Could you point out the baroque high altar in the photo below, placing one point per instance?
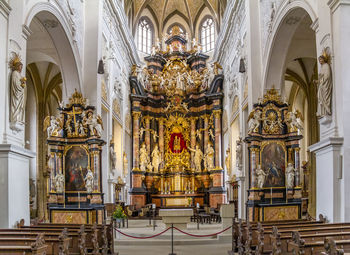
(176, 109)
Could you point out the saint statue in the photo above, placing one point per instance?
(290, 171)
(197, 158)
(113, 156)
(261, 175)
(89, 181)
(209, 157)
(144, 159)
(59, 183)
(324, 93)
(94, 123)
(18, 91)
(125, 164)
(228, 161)
(156, 159)
(254, 121)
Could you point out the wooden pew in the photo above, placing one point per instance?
(55, 242)
(38, 247)
(319, 243)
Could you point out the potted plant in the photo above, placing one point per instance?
(119, 214)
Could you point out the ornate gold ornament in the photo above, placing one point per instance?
(272, 95)
(77, 98)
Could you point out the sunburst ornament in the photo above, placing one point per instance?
(15, 61)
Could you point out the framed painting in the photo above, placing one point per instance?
(273, 162)
(76, 164)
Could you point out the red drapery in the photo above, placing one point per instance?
(172, 144)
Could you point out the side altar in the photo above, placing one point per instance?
(273, 139)
(176, 109)
(74, 161)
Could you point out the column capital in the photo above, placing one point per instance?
(334, 4)
(5, 8)
(217, 113)
(136, 115)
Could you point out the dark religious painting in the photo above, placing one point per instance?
(273, 163)
(76, 163)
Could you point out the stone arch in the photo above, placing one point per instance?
(61, 36)
(283, 30)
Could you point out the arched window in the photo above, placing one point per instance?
(207, 31)
(145, 36)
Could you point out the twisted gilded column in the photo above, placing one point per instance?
(161, 136)
(217, 118)
(147, 134)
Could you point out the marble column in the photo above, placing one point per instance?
(136, 139)
(217, 117)
(193, 132)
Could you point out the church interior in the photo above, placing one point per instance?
(174, 127)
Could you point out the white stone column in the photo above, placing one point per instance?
(254, 52)
(329, 175)
(14, 185)
(92, 52)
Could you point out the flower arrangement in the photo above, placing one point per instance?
(119, 213)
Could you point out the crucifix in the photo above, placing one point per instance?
(75, 120)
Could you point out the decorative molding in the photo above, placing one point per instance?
(315, 25)
(5, 8)
(26, 32)
(334, 4)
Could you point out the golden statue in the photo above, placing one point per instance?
(228, 161)
(177, 145)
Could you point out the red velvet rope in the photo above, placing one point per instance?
(183, 232)
(142, 237)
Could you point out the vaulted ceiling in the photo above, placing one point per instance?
(163, 10)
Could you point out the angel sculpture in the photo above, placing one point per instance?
(68, 126)
(154, 134)
(211, 134)
(94, 123)
(81, 129)
(294, 121)
(199, 134)
(52, 125)
(184, 106)
(254, 121)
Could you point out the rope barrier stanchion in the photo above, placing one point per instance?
(172, 240)
(141, 237)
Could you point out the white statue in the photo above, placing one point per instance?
(197, 158)
(68, 126)
(125, 164)
(144, 159)
(209, 157)
(113, 156)
(194, 42)
(156, 158)
(54, 125)
(94, 123)
(18, 91)
(254, 121)
(153, 51)
(228, 161)
(261, 175)
(158, 45)
(294, 121)
(324, 93)
(89, 181)
(59, 183)
(290, 172)
(81, 129)
(171, 49)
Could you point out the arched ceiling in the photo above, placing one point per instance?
(163, 10)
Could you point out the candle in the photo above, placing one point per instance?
(271, 194)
